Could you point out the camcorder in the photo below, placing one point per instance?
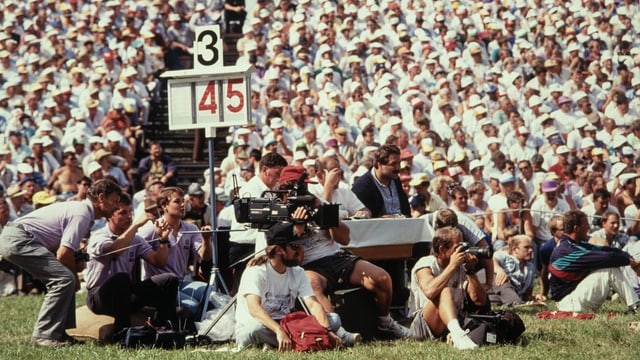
(263, 212)
(480, 252)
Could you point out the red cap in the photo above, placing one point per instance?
(291, 174)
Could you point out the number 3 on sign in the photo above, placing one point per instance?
(208, 47)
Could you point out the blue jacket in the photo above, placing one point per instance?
(571, 262)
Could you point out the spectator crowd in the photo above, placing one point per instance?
(510, 113)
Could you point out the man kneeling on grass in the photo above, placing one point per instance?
(268, 290)
(440, 284)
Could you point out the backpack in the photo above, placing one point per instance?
(502, 327)
(150, 337)
(305, 332)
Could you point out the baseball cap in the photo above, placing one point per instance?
(292, 173)
(475, 163)
(15, 190)
(626, 151)
(626, 177)
(418, 179)
(506, 178)
(549, 185)
(280, 234)
(562, 149)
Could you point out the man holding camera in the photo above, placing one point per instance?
(440, 284)
(329, 268)
(44, 243)
(268, 291)
(242, 243)
(114, 250)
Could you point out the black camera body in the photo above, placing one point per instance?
(263, 212)
(480, 252)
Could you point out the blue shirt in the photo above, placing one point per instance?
(390, 196)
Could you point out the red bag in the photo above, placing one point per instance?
(305, 332)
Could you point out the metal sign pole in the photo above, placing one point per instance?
(219, 97)
(215, 277)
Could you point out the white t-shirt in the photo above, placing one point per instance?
(456, 282)
(277, 292)
(348, 201)
(541, 213)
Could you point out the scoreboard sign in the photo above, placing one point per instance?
(210, 95)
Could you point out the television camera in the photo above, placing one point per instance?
(263, 212)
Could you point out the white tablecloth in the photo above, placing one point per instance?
(388, 231)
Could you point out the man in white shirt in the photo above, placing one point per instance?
(268, 291)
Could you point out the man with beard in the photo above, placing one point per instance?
(268, 291)
(380, 190)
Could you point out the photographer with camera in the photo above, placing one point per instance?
(44, 243)
(443, 285)
(113, 251)
(329, 268)
(471, 234)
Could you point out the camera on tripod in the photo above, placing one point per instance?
(480, 252)
(263, 212)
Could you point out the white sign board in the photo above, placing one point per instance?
(207, 48)
(196, 103)
(210, 95)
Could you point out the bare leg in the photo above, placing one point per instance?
(439, 312)
(376, 280)
(319, 284)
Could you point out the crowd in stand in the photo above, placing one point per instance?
(508, 112)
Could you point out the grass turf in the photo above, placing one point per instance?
(603, 337)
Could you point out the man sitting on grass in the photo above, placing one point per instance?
(268, 290)
(582, 273)
(440, 283)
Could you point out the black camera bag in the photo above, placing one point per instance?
(148, 337)
(502, 327)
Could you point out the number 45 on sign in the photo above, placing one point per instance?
(211, 95)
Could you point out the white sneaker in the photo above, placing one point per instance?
(394, 329)
(463, 343)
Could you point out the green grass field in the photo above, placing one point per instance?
(601, 338)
